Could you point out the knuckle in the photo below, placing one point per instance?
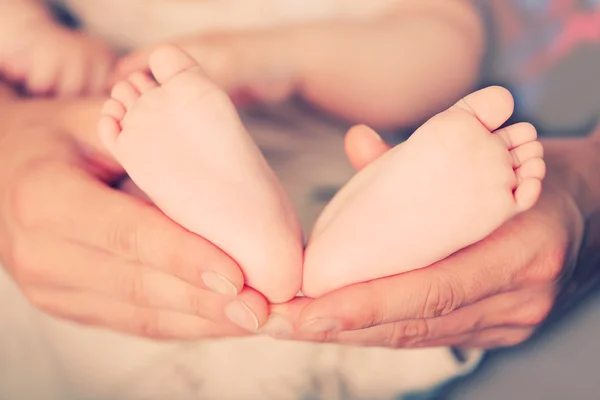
(409, 333)
(547, 266)
(548, 263)
(442, 297)
(503, 338)
(552, 264)
(376, 308)
(183, 259)
(124, 239)
(178, 266)
(145, 323)
(477, 322)
(196, 303)
(536, 314)
(131, 287)
(325, 337)
(532, 318)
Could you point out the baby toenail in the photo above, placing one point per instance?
(277, 327)
(319, 325)
(240, 314)
(219, 284)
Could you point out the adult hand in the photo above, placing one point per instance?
(47, 58)
(491, 294)
(83, 251)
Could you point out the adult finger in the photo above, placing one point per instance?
(125, 317)
(394, 335)
(79, 121)
(16, 71)
(363, 146)
(520, 309)
(390, 336)
(470, 275)
(485, 339)
(100, 72)
(42, 80)
(73, 76)
(515, 311)
(78, 207)
(249, 310)
(283, 320)
(59, 263)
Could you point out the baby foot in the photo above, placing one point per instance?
(183, 144)
(455, 181)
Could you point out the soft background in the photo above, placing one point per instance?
(548, 52)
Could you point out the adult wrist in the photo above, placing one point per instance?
(573, 166)
(581, 277)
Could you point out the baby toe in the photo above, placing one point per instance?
(109, 125)
(525, 152)
(125, 93)
(168, 61)
(114, 108)
(142, 82)
(108, 130)
(492, 106)
(534, 168)
(517, 135)
(527, 193)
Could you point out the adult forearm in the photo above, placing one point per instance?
(574, 165)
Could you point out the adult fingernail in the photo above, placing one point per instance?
(240, 314)
(319, 325)
(219, 284)
(277, 327)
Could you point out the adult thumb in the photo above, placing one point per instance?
(363, 146)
